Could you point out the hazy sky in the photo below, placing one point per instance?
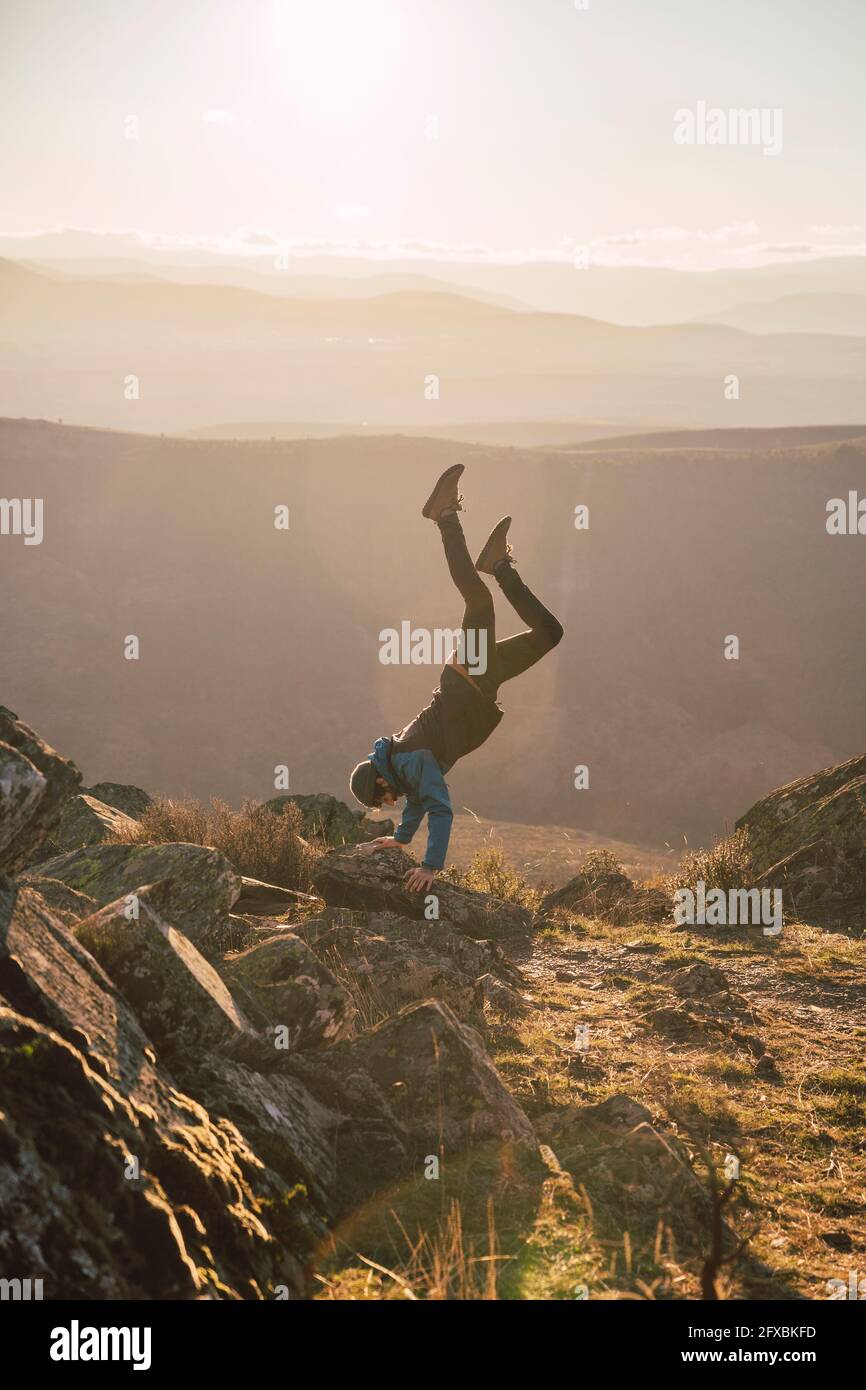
(313, 121)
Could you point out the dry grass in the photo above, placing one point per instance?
(602, 1220)
(442, 1264)
(255, 841)
(727, 864)
(490, 873)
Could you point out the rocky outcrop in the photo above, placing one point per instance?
(34, 784)
(609, 895)
(132, 801)
(86, 821)
(176, 995)
(389, 961)
(809, 838)
(441, 1086)
(180, 1118)
(374, 881)
(291, 990)
(203, 882)
(178, 1205)
(324, 817)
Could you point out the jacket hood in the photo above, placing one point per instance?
(381, 760)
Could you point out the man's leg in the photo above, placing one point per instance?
(478, 616)
(514, 655)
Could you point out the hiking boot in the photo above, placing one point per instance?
(496, 548)
(444, 496)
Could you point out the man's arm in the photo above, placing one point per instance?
(413, 814)
(435, 802)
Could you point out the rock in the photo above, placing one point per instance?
(177, 1204)
(438, 1080)
(177, 997)
(590, 894)
(809, 837)
(611, 896)
(617, 1112)
(374, 881)
(86, 821)
(324, 817)
(289, 1130)
(389, 961)
(767, 1068)
(644, 1170)
(501, 998)
(371, 829)
(65, 903)
(22, 787)
(34, 783)
(268, 899)
(292, 989)
(679, 1024)
(204, 883)
(698, 981)
(132, 801)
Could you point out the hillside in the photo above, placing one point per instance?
(312, 1088)
(799, 313)
(260, 648)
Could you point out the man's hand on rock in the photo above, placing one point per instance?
(383, 842)
(419, 879)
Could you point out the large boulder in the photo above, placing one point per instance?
(440, 1083)
(34, 784)
(177, 997)
(373, 881)
(389, 961)
(204, 884)
(324, 817)
(132, 801)
(288, 1128)
(292, 990)
(22, 787)
(86, 821)
(177, 1203)
(809, 837)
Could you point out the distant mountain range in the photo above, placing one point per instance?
(618, 294)
(155, 355)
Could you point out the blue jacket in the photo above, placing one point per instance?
(418, 777)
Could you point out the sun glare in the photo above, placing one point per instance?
(336, 57)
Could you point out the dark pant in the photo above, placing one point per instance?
(513, 655)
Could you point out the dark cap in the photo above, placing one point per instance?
(362, 784)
